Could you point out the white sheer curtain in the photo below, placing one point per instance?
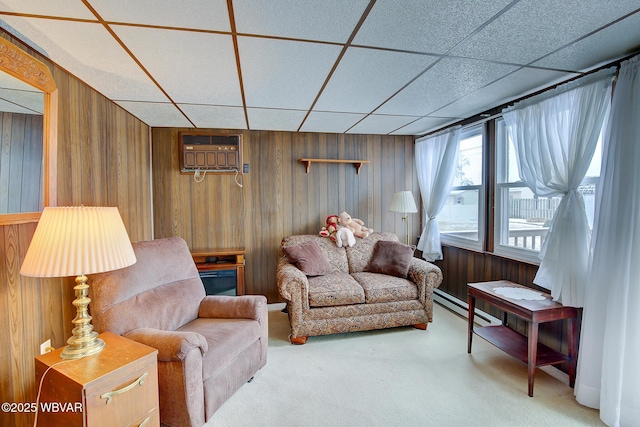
(555, 135)
(608, 374)
(436, 161)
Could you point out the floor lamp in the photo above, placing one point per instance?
(403, 202)
(75, 241)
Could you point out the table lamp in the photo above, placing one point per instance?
(75, 241)
(403, 202)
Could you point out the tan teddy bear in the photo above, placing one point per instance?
(354, 224)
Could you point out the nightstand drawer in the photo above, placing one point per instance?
(124, 400)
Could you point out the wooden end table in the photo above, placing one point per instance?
(118, 386)
(526, 349)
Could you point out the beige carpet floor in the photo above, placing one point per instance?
(398, 377)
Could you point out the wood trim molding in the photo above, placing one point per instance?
(23, 66)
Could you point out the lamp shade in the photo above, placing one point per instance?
(78, 240)
(403, 201)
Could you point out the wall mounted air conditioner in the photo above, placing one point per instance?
(210, 153)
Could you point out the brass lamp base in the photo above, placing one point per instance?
(84, 341)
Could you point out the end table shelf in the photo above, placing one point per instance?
(516, 344)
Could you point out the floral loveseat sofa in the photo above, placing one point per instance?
(375, 284)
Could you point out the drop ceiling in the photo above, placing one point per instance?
(399, 67)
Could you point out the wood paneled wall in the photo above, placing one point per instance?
(278, 198)
(103, 159)
(21, 179)
(461, 266)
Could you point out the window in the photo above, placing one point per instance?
(522, 219)
(460, 220)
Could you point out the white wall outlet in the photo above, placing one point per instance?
(45, 347)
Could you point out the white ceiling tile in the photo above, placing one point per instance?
(211, 116)
(7, 81)
(377, 124)
(326, 20)
(448, 80)
(386, 72)
(210, 76)
(61, 8)
(432, 26)
(533, 28)
(92, 55)
(12, 107)
(27, 102)
(320, 121)
(199, 14)
(156, 114)
(273, 119)
(425, 125)
(284, 74)
(515, 85)
(598, 49)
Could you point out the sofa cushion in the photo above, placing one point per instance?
(337, 256)
(308, 257)
(360, 254)
(391, 258)
(334, 289)
(380, 288)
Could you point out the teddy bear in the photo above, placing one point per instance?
(329, 230)
(355, 225)
(345, 237)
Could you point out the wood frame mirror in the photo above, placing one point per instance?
(24, 67)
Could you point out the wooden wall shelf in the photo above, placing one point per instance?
(357, 163)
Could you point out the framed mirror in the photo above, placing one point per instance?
(28, 134)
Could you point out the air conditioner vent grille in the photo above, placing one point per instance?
(211, 153)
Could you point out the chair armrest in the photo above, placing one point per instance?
(291, 281)
(227, 307)
(253, 307)
(425, 275)
(172, 346)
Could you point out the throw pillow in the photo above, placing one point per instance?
(308, 257)
(392, 258)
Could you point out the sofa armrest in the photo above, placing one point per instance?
(426, 276)
(292, 283)
(172, 346)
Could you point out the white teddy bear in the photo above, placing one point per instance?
(345, 237)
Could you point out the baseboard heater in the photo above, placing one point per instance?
(462, 308)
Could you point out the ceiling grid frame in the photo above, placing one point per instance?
(290, 26)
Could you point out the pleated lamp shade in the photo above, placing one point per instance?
(78, 240)
(403, 201)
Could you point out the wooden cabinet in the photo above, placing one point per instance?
(222, 259)
(116, 387)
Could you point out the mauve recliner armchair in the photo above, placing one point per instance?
(208, 346)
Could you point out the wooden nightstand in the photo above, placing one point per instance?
(116, 387)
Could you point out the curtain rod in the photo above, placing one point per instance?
(495, 112)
